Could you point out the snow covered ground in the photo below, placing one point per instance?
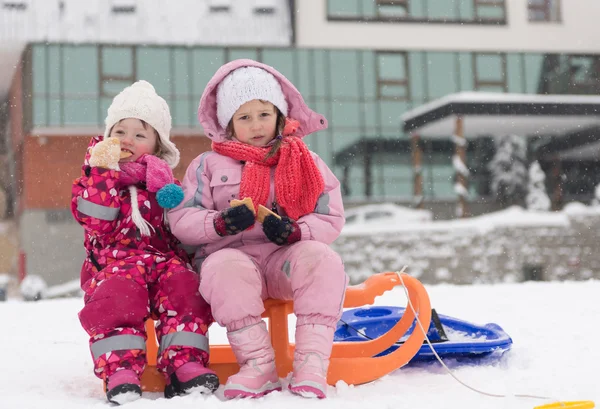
(45, 360)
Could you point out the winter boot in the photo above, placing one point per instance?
(253, 351)
(123, 386)
(190, 378)
(311, 360)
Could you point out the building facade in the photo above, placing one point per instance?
(360, 63)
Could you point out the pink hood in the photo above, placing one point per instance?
(310, 121)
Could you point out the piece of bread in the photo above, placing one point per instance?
(246, 201)
(125, 154)
(264, 212)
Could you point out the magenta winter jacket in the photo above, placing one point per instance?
(113, 236)
(213, 180)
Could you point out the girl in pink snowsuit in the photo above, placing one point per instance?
(256, 119)
(134, 269)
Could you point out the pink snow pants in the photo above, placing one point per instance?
(236, 281)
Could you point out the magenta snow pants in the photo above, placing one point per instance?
(126, 293)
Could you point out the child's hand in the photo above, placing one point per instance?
(234, 220)
(106, 154)
(281, 230)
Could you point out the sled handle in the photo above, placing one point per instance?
(375, 285)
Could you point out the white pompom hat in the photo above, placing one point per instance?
(246, 84)
(140, 101)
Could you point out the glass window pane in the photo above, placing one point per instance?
(346, 114)
(443, 10)
(393, 91)
(322, 73)
(39, 69)
(117, 61)
(344, 8)
(490, 12)
(417, 77)
(467, 76)
(54, 70)
(344, 75)
(80, 71)
(417, 8)
(283, 61)
(514, 75)
(205, 62)
(533, 71)
(153, 65)
(112, 87)
(391, 66)
(81, 111)
(490, 67)
(55, 106)
(368, 67)
(183, 112)
(441, 73)
(392, 10)
(40, 113)
(305, 75)
(181, 75)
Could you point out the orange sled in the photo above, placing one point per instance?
(351, 362)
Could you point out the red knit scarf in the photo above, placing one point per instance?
(298, 181)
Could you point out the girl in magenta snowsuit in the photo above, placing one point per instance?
(134, 269)
(256, 119)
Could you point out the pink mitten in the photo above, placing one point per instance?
(158, 173)
(106, 154)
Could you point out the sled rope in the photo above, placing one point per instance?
(494, 395)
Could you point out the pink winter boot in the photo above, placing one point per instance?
(191, 377)
(123, 386)
(253, 351)
(311, 360)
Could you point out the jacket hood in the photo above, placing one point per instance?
(309, 120)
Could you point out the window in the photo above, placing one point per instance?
(265, 7)
(392, 76)
(544, 10)
(490, 10)
(584, 74)
(490, 72)
(11, 5)
(123, 7)
(220, 6)
(392, 8)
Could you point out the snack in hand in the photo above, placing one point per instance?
(246, 201)
(264, 212)
(105, 154)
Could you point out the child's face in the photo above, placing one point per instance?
(255, 123)
(135, 138)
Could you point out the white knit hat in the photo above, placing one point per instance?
(140, 101)
(246, 84)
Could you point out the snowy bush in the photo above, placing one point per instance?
(33, 288)
(537, 199)
(509, 170)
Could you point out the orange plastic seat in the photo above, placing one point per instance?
(351, 362)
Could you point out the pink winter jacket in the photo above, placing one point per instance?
(213, 180)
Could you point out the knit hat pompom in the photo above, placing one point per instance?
(140, 101)
(169, 196)
(246, 84)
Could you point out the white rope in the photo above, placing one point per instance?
(136, 216)
(494, 395)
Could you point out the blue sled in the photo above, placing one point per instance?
(450, 337)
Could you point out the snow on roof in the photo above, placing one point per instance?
(488, 113)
